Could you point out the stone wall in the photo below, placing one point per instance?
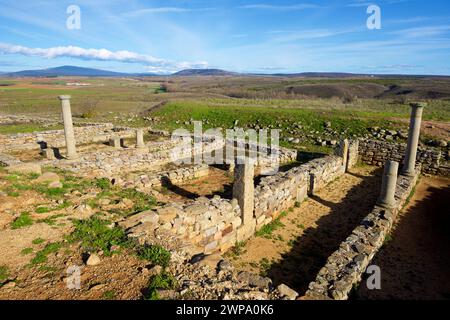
(118, 161)
(86, 134)
(206, 225)
(159, 179)
(376, 153)
(345, 267)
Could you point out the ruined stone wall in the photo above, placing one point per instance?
(376, 153)
(345, 267)
(88, 133)
(207, 225)
(159, 179)
(281, 191)
(118, 161)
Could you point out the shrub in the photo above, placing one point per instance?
(103, 183)
(155, 254)
(163, 281)
(4, 273)
(41, 256)
(96, 234)
(24, 220)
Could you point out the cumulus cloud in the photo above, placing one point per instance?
(99, 55)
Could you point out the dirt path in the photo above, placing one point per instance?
(294, 253)
(415, 264)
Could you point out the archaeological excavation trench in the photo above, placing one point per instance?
(314, 224)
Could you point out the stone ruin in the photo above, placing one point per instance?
(210, 225)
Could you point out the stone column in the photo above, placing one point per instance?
(140, 139)
(244, 189)
(115, 142)
(68, 127)
(413, 138)
(342, 151)
(389, 184)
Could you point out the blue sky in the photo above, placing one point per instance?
(245, 36)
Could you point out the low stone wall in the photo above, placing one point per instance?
(376, 153)
(207, 225)
(119, 161)
(88, 133)
(280, 192)
(345, 267)
(155, 180)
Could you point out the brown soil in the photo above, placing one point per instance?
(121, 276)
(218, 182)
(415, 264)
(294, 254)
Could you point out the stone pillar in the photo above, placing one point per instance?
(115, 142)
(413, 138)
(389, 184)
(342, 151)
(49, 153)
(140, 139)
(244, 189)
(68, 127)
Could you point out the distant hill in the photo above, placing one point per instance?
(204, 72)
(73, 72)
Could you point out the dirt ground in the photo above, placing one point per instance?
(294, 254)
(415, 264)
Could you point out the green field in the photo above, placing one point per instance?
(354, 105)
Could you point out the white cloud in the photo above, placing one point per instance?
(421, 32)
(99, 55)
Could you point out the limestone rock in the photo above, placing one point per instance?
(287, 292)
(93, 260)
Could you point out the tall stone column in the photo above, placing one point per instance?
(140, 139)
(342, 151)
(389, 185)
(413, 138)
(244, 189)
(68, 127)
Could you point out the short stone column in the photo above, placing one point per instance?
(389, 185)
(244, 189)
(115, 142)
(49, 153)
(413, 138)
(68, 127)
(140, 139)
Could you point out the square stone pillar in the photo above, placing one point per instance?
(413, 139)
(389, 185)
(68, 127)
(244, 189)
(115, 142)
(140, 144)
(342, 151)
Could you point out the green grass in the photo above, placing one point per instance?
(264, 266)
(26, 251)
(267, 230)
(24, 220)
(25, 128)
(51, 221)
(155, 254)
(42, 256)
(96, 234)
(4, 273)
(163, 281)
(109, 295)
(42, 210)
(38, 241)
